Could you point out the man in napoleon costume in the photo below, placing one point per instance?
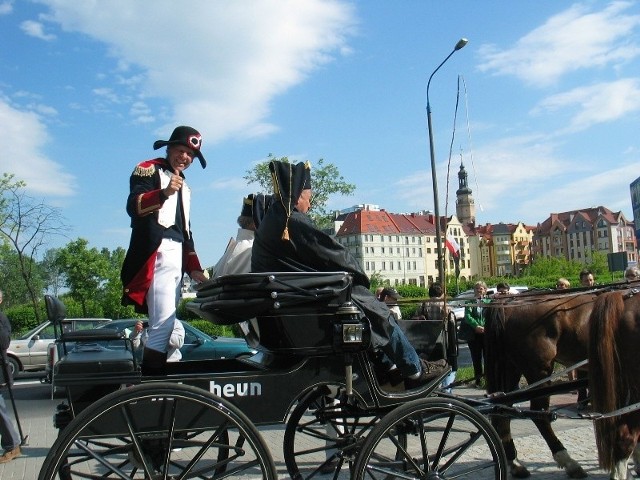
(161, 249)
(287, 240)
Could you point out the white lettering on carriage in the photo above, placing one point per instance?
(230, 390)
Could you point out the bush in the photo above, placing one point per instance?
(212, 329)
(23, 318)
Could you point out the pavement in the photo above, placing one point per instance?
(36, 410)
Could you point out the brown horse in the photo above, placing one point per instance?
(614, 376)
(525, 335)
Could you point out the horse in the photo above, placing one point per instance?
(525, 335)
(614, 376)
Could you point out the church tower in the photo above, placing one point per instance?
(465, 204)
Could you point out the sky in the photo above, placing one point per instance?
(542, 106)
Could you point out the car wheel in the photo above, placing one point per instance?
(13, 367)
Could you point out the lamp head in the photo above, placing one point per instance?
(461, 43)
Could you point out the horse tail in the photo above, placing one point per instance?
(604, 371)
(495, 357)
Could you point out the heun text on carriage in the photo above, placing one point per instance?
(230, 390)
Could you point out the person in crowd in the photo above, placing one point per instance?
(434, 310)
(138, 335)
(9, 438)
(632, 274)
(586, 278)
(390, 296)
(176, 341)
(474, 317)
(287, 240)
(563, 284)
(502, 288)
(378, 292)
(161, 246)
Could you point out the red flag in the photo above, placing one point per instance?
(453, 246)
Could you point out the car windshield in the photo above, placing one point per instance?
(30, 333)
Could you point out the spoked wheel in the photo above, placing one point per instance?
(324, 434)
(445, 439)
(159, 431)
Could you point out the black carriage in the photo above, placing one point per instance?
(313, 372)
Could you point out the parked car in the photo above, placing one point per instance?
(457, 303)
(197, 344)
(29, 352)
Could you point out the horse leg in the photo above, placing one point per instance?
(624, 447)
(502, 425)
(559, 452)
(636, 459)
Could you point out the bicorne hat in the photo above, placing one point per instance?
(187, 136)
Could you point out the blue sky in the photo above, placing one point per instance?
(547, 120)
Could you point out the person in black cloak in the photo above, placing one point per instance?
(287, 240)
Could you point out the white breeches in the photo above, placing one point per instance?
(163, 294)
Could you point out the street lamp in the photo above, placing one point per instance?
(436, 204)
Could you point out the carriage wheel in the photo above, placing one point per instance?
(444, 439)
(159, 431)
(324, 433)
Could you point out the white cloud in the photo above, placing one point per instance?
(36, 29)
(603, 102)
(574, 39)
(23, 137)
(223, 86)
(6, 8)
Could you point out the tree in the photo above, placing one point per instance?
(113, 307)
(11, 280)
(326, 180)
(27, 225)
(85, 271)
(52, 274)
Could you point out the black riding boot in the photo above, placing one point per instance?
(153, 362)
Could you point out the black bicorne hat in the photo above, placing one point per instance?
(247, 206)
(261, 204)
(187, 136)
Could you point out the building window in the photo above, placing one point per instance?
(384, 265)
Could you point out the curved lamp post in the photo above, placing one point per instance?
(436, 204)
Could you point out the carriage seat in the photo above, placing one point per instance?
(83, 355)
(285, 312)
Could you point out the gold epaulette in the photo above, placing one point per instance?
(142, 170)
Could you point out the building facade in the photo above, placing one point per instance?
(576, 234)
(401, 248)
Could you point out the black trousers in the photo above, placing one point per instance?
(476, 349)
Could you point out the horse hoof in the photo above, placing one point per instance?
(578, 473)
(518, 470)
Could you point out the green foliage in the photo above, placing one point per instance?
(23, 318)
(183, 313)
(85, 270)
(91, 308)
(325, 178)
(16, 291)
(212, 329)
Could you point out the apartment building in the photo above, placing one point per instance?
(402, 248)
(503, 249)
(576, 234)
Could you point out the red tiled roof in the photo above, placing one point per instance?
(382, 222)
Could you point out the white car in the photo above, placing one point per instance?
(457, 303)
(29, 352)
